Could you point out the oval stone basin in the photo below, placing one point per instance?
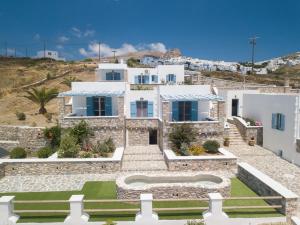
(140, 181)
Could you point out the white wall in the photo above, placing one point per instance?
(228, 95)
(147, 95)
(261, 106)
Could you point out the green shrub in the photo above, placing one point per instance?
(184, 150)
(68, 147)
(110, 143)
(80, 131)
(45, 152)
(194, 222)
(18, 153)
(84, 154)
(250, 121)
(21, 116)
(196, 150)
(53, 134)
(183, 133)
(211, 146)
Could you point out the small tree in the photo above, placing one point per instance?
(41, 97)
(68, 80)
(80, 132)
(68, 147)
(183, 133)
(53, 134)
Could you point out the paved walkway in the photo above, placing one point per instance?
(143, 158)
(269, 163)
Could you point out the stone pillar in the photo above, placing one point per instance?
(215, 214)
(7, 217)
(120, 102)
(61, 109)
(166, 114)
(76, 216)
(221, 112)
(146, 215)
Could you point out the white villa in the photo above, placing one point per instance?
(116, 107)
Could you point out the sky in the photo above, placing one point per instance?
(206, 29)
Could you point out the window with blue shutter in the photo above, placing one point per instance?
(108, 106)
(132, 109)
(171, 78)
(278, 121)
(175, 112)
(150, 109)
(194, 111)
(154, 78)
(146, 80)
(89, 106)
(136, 79)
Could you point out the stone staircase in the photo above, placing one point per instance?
(235, 137)
(143, 158)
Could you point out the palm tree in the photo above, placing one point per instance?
(68, 80)
(41, 97)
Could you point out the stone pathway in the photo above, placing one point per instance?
(50, 182)
(269, 163)
(143, 158)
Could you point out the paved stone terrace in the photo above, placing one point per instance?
(269, 163)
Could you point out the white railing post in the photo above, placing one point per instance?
(7, 217)
(215, 214)
(146, 215)
(76, 216)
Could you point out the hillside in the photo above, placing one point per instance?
(16, 72)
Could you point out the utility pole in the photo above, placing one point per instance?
(15, 53)
(26, 52)
(5, 44)
(253, 43)
(114, 51)
(99, 57)
(44, 48)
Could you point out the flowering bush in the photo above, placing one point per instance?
(196, 150)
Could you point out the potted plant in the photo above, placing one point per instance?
(252, 141)
(226, 141)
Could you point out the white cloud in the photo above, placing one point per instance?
(160, 47)
(106, 50)
(63, 39)
(37, 37)
(89, 33)
(76, 32)
(59, 46)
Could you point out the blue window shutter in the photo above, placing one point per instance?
(146, 79)
(175, 112)
(150, 109)
(136, 79)
(108, 106)
(274, 120)
(194, 110)
(89, 106)
(282, 122)
(132, 109)
(174, 78)
(168, 78)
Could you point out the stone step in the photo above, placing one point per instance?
(137, 157)
(141, 151)
(143, 165)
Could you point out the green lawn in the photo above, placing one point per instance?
(107, 190)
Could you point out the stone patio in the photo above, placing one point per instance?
(269, 163)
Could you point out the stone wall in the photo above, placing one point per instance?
(201, 163)
(174, 192)
(2, 170)
(60, 167)
(102, 128)
(247, 132)
(31, 138)
(265, 186)
(138, 130)
(206, 130)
